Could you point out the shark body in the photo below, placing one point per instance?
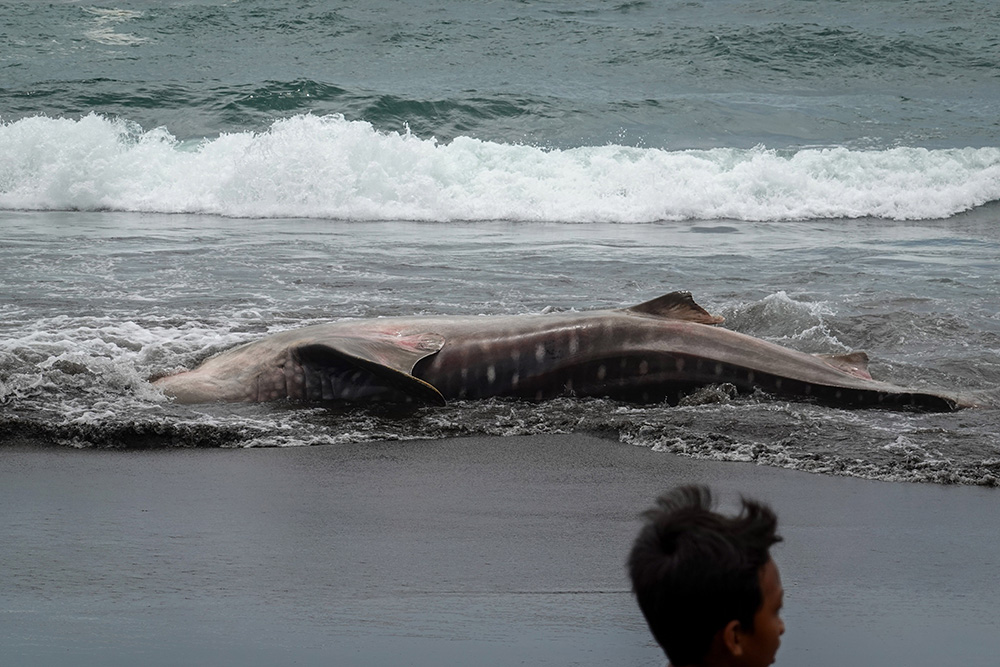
(658, 350)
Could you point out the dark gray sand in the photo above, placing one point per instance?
(481, 551)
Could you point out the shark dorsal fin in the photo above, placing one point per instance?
(676, 306)
(855, 363)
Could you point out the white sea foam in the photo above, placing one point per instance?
(311, 166)
(787, 321)
(102, 30)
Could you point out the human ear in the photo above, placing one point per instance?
(732, 635)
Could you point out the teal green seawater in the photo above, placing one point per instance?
(529, 111)
(727, 73)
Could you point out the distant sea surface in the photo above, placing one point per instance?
(177, 178)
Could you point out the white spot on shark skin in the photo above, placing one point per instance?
(464, 390)
(539, 352)
(574, 343)
(680, 363)
(718, 369)
(838, 394)
(602, 372)
(777, 383)
(750, 377)
(643, 367)
(491, 374)
(515, 379)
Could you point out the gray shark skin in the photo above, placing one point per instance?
(658, 350)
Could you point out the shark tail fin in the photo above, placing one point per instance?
(676, 306)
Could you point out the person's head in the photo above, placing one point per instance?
(706, 583)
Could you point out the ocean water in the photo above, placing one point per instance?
(177, 178)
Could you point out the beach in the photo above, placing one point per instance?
(480, 550)
(179, 179)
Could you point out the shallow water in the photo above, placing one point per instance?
(97, 303)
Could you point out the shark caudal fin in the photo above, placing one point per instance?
(389, 358)
(676, 306)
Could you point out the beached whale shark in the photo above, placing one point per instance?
(659, 350)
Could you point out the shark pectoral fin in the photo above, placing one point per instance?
(676, 306)
(389, 358)
(855, 363)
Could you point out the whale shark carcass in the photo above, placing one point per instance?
(658, 350)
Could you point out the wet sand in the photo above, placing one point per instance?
(482, 551)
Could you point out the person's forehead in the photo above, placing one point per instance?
(770, 578)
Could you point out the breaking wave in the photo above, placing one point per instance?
(330, 167)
